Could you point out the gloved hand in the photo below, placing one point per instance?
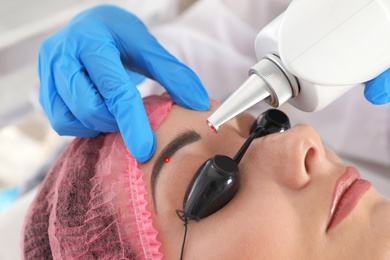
(377, 90)
(87, 88)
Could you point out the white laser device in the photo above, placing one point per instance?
(313, 53)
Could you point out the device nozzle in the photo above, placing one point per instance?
(252, 91)
(215, 129)
(268, 81)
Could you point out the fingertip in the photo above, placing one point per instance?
(377, 90)
(179, 80)
(194, 103)
(377, 93)
(202, 104)
(378, 99)
(188, 91)
(143, 150)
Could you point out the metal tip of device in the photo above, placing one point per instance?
(213, 128)
(252, 91)
(268, 81)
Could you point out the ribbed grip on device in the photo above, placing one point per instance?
(281, 85)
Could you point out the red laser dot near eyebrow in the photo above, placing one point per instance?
(213, 128)
(167, 159)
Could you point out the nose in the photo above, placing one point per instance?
(291, 158)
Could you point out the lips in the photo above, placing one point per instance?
(348, 190)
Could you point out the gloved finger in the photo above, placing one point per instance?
(140, 52)
(122, 99)
(182, 84)
(149, 58)
(82, 97)
(134, 125)
(61, 118)
(377, 90)
(135, 77)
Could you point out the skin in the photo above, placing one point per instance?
(282, 206)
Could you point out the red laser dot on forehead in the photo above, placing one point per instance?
(167, 159)
(215, 130)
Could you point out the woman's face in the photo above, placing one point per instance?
(282, 207)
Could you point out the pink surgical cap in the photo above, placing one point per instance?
(91, 204)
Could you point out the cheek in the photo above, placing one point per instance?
(252, 225)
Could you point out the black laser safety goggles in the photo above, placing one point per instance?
(216, 182)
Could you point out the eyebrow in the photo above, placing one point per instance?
(180, 141)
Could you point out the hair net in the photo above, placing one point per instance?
(91, 204)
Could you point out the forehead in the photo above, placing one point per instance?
(180, 119)
(177, 121)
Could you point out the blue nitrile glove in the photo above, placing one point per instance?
(377, 90)
(85, 88)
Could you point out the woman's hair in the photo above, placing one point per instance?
(91, 204)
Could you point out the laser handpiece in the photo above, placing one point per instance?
(312, 54)
(267, 80)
